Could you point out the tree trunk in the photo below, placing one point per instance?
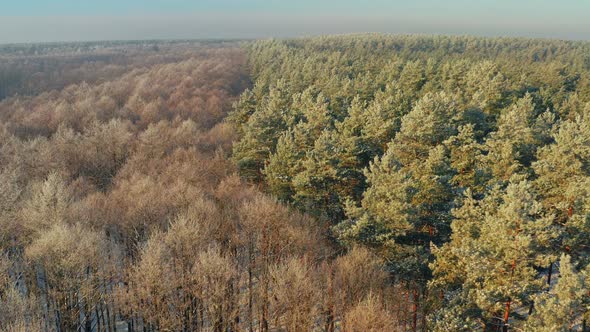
(506, 315)
(108, 320)
(97, 314)
(250, 285)
(415, 310)
(406, 309)
(42, 284)
(265, 282)
(330, 314)
(507, 310)
(88, 321)
(423, 322)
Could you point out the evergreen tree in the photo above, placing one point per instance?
(283, 165)
(319, 187)
(242, 110)
(262, 132)
(563, 178)
(564, 305)
(350, 132)
(314, 117)
(412, 77)
(455, 309)
(498, 244)
(382, 119)
(486, 86)
(431, 121)
(292, 147)
(386, 211)
(466, 156)
(512, 147)
(434, 195)
(562, 168)
(407, 203)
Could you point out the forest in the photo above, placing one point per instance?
(340, 183)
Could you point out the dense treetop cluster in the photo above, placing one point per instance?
(463, 162)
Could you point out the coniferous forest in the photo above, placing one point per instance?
(339, 183)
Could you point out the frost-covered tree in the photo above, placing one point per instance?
(565, 306)
(489, 266)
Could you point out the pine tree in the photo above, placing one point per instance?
(286, 162)
(350, 134)
(407, 202)
(262, 132)
(314, 116)
(418, 149)
(466, 159)
(456, 309)
(486, 86)
(562, 168)
(412, 77)
(563, 179)
(498, 244)
(430, 123)
(319, 186)
(242, 110)
(433, 196)
(565, 305)
(512, 147)
(382, 119)
(282, 166)
(386, 211)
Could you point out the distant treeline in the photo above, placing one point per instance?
(29, 69)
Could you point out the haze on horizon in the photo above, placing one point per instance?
(75, 20)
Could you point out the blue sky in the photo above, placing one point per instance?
(54, 20)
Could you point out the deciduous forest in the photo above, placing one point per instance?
(339, 183)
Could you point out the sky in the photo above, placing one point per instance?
(78, 20)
